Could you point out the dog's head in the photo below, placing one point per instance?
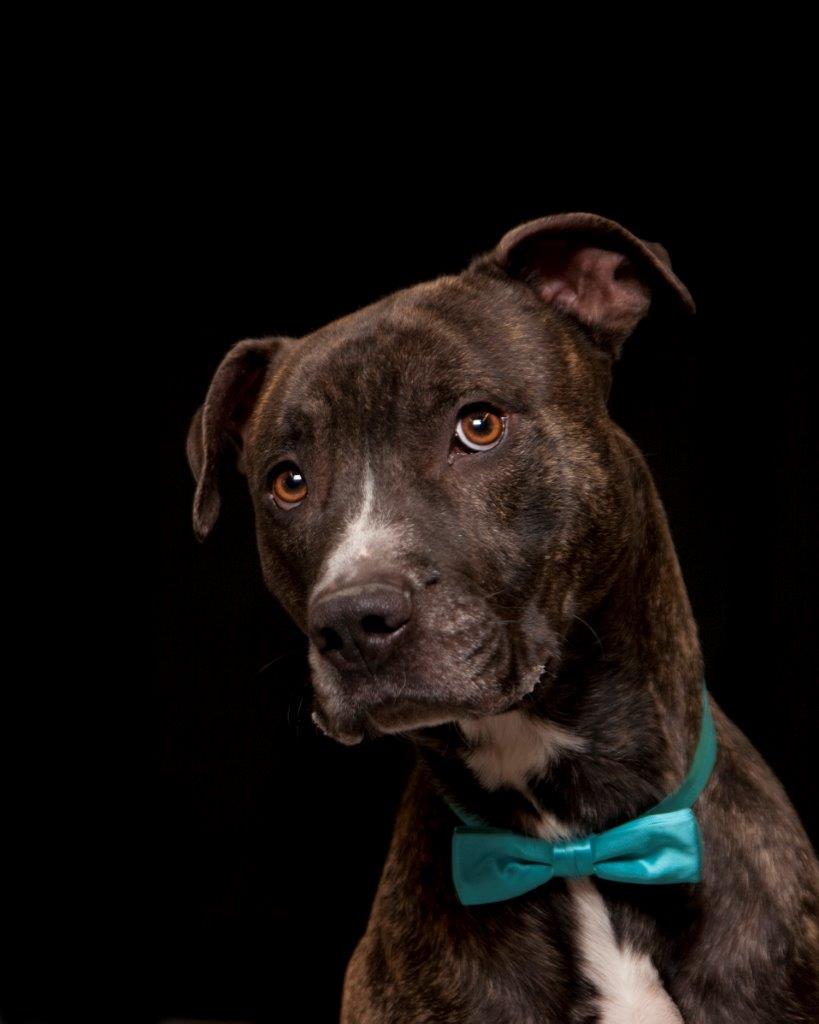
(437, 485)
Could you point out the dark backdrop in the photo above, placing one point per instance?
(263, 841)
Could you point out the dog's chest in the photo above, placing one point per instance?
(507, 751)
(629, 989)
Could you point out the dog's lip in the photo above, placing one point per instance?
(349, 721)
(399, 716)
(382, 718)
(405, 716)
(349, 739)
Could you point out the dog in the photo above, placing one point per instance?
(480, 560)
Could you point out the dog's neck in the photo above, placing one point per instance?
(615, 729)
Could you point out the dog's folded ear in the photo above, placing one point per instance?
(594, 270)
(219, 424)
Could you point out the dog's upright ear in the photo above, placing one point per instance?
(219, 424)
(594, 270)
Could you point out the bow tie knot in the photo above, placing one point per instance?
(573, 858)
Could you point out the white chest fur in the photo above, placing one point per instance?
(630, 990)
(509, 750)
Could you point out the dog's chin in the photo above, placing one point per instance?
(381, 720)
(348, 735)
(350, 722)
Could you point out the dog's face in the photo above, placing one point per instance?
(438, 488)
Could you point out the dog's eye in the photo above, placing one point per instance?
(479, 427)
(288, 486)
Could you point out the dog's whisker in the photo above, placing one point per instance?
(276, 660)
(592, 631)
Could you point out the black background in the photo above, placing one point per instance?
(261, 842)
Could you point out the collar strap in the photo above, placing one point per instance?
(701, 766)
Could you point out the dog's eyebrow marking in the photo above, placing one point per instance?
(295, 425)
(366, 535)
(629, 988)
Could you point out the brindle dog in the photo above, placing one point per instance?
(480, 558)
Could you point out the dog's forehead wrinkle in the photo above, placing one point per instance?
(449, 321)
(400, 363)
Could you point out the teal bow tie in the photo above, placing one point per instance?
(661, 846)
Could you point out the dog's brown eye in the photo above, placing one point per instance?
(479, 427)
(288, 486)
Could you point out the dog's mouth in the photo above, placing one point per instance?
(350, 721)
(384, 719)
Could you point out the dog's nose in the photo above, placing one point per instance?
(358, 625)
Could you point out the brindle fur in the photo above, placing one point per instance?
(547, 559)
